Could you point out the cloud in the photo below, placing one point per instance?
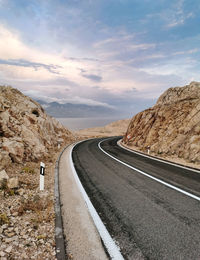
(120, 36)
(3, 2)
(93, 77)
(20, 61)
(186, 52)
(24, 63)
(82, 59)
(60, 82)
(183, 68)
(121, 42)
(143, 46)
(73, 45)
(70, 99)
(138, 65)
(123, 51)
(169, 16)
(178, 15)
(11, 47)
(107, 41)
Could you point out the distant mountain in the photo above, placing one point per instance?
(58, 110)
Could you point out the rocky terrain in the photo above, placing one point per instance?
(171, 128)
(27, 136)
(116, 128)
(27, 133)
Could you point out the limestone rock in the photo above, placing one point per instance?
(13, 183)
(8, 249)
(3, 176)
(4, 159)
(172, 126)
(2, 254)
(177, 94)
(27, 133)
(15, 149)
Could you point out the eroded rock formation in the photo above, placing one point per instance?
(27, 133)
(172, 126)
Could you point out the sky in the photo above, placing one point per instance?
(121, 54)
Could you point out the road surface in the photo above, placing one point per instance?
(146, 218)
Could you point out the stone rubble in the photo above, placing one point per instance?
(27, 230)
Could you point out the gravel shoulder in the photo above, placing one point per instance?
(82, 239)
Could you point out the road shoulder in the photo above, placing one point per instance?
(82, 238)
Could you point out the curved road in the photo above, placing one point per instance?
(146, 218)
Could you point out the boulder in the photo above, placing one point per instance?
(5, 159)
(14, 148)
(13, 183)
(3, 177)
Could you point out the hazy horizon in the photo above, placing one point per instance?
(75, 124)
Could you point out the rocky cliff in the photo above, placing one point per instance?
(172, 126)
(27, 133)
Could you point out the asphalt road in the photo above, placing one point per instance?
(147, 219)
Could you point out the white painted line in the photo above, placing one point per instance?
(109, 243)
(157, 159)
(148, 175)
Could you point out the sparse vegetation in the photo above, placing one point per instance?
(29, 213)
(31, 205)
(6, 190)
(4, 185)
(3, 219)
(28, 170)
(40, 206)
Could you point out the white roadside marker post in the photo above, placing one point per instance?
(148, 149)
(42, 170)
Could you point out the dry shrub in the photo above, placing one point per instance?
(29, 184)
(3, 219)
(28, 170)
(6, 190)
(42, 208)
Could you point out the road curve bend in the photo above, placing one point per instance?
(146, 218)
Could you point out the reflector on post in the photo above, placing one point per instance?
(42, 171)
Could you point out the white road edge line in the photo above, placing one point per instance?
(148, 175)
(157, 159)
(112, 248)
